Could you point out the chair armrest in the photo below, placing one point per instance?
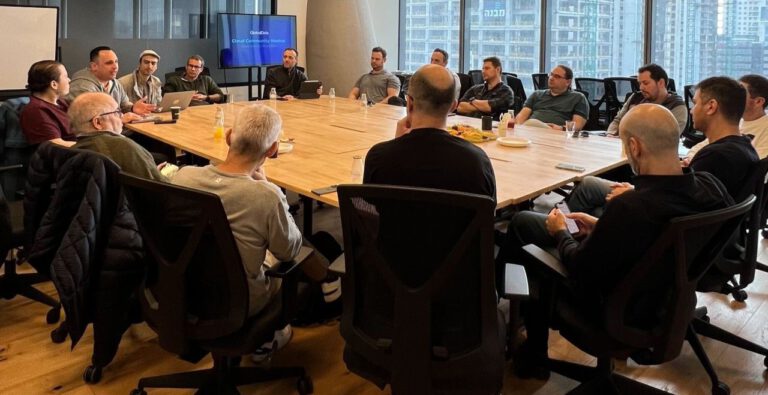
(286, 268)
(338, 266)
(548, 261)
(515, 282)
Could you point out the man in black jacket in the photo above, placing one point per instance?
(630, 224)
(286, 79)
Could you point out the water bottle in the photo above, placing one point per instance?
(357, 168)
(218, 124)
(511, 122)
(273, 94)
(364, 100)
(502, 129)
(332, 93)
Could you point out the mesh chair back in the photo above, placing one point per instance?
(594, 90)
(664, 282)
(466, 83)
(517, 87)
(690, 135)
(477, 76)
(617, 91)
(419, 299)
(195, 284)
(540, 81)
(671, 85)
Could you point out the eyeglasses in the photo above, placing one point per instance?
(194, 66)
(116, 112)
(556, 76)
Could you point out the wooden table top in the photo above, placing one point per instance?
(328, 133)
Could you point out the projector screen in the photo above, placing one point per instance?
(27, 35)
(247, 40)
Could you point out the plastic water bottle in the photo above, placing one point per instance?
(273, 94)
(357, 168)
(218, 124)
(511, 122)
(502, 129)
(364, 100)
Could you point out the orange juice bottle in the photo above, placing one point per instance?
(218, 125)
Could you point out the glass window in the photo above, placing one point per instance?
(599, 38)
(430, 24)
(152, 19)
(123, 19)
(696, 40)
(186, 19)
(509, 30)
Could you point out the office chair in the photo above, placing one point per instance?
(419, 296)
(690, 135)
(595, 93)
(617, 91)
(12, 240)
(651, 310)
(540, 81)
(671, 87)
(477, 76)
(195, 293)
(466, 83)
(517, 87)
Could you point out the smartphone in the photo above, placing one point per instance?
(570, 223)
(326, 190)
(570, 166)
(159, 121)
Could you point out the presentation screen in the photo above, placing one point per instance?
(247, 40)
(28, 35)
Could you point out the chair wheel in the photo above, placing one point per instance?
(740, 295)
(92, 375)
(304, 385)
(137, 391)
(53, 315)
(721, 389)
(58, 335)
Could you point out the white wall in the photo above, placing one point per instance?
(386, 14)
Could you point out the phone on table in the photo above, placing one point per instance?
(326, 190)
(570, 223)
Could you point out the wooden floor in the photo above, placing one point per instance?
(31, 364)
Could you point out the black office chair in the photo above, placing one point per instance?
(617, 91)
(12, 240)
(477, 76)
(595, 93)
(540, 81)
(690, 135)
(517, 87)
(466, 83)
(404, 79)
(671, 87)
(650, 311)
(195, 294)
(419, 297)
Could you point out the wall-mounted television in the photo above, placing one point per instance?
(248, 40)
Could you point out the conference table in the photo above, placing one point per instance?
(324, 135)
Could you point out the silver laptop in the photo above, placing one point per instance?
(175, 99)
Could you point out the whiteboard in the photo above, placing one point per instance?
(27, 35)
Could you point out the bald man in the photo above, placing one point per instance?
(609, 248)
(423, 154)
(95, 119)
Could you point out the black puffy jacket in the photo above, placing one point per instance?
(81, 231)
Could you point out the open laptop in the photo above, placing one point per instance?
(177, 99)
(308, 89)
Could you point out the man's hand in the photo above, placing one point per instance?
(555, 222)
(288, 97)
(403, 126)
(142, 107)
(130, 117)
(259, 174)
(200, 96)
(586, 222)
(617, 189)
(553, 126)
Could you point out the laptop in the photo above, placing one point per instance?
(175, 99)
(308, 89)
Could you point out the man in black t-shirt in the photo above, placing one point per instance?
(286, 79)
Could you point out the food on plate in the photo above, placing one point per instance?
(470, 133)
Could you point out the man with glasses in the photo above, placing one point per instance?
(99, 76)
(142, 83)
(96, 122)
(206, 90)
(493, 97)
(550, 108)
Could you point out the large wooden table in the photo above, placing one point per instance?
(327, 134)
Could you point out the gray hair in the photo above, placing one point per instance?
(87, 106)
(256, 128)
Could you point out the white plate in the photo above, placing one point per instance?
(285, 148)
(517, 142)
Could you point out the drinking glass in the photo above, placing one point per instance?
(364, 100)
(570, 129)
(332, 93)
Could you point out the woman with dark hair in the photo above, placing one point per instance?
(45, 117)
